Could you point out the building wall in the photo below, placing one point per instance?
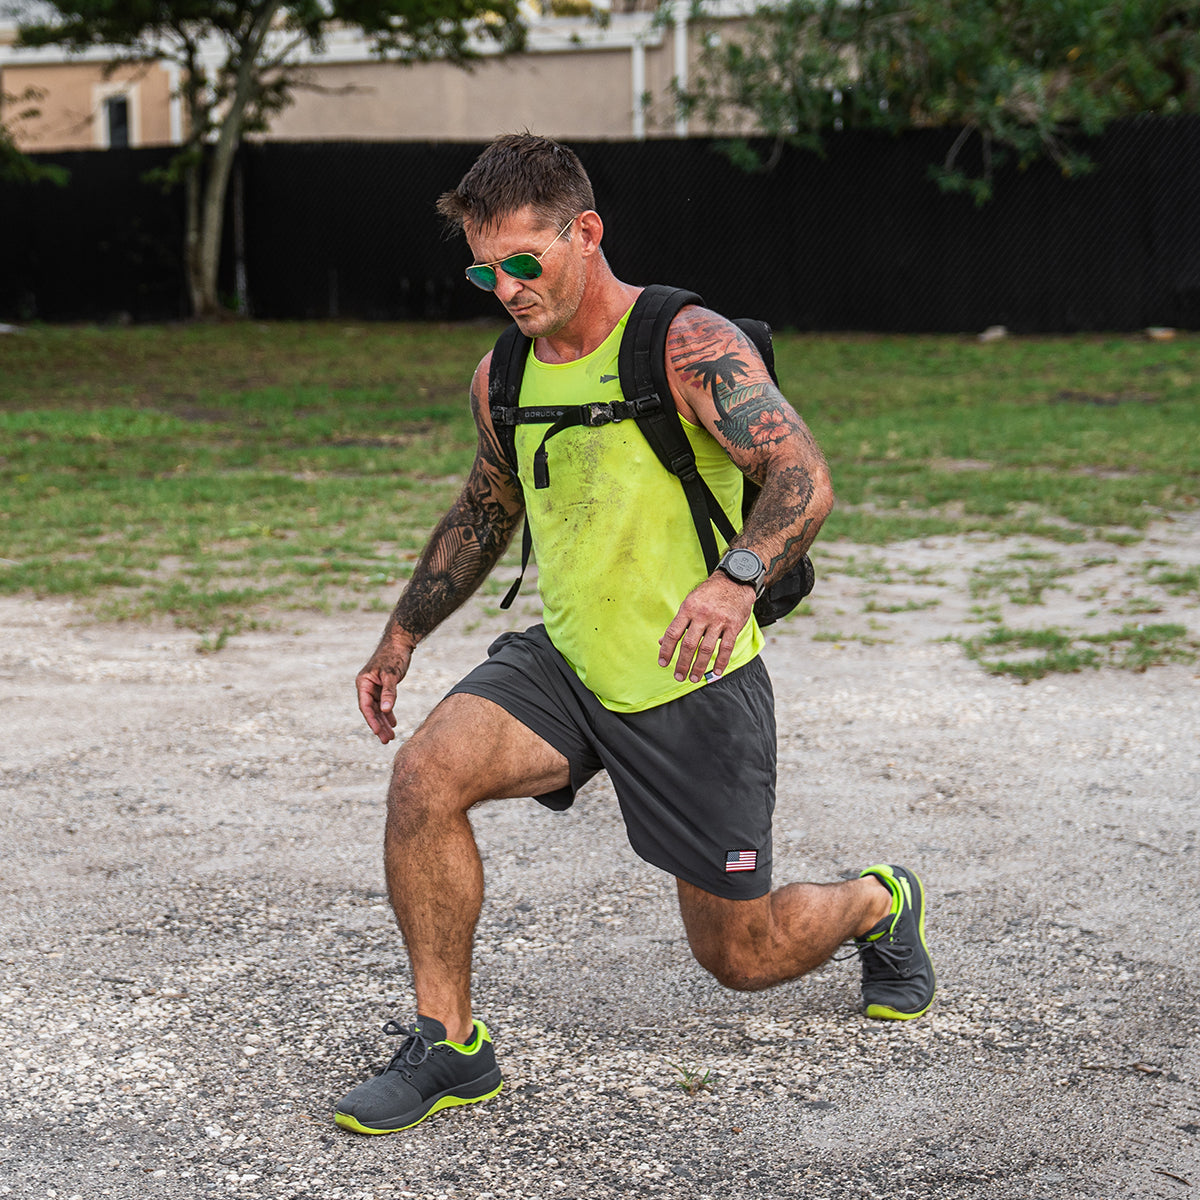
(575, 81)
(568, 94)
(72, 100)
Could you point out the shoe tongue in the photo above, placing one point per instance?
(430, 1030)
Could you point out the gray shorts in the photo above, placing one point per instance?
(695, 778)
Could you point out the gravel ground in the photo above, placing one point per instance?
(197, 955)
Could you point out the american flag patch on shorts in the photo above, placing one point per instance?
(741, 860)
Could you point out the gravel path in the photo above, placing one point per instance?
(197, 956)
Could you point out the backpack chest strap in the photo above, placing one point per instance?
(577, 414)
(565, 417)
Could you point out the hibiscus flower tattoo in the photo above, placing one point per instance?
(770, 425)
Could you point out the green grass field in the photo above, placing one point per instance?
(225, 473)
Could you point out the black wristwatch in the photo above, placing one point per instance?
(744, 566)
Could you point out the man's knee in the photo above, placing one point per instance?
(730, 939)
(421, 791)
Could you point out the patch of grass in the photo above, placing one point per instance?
(207, 471)
(1025, 585)
(1138, 647)
(1178, 581)
(876, 570)
(1031, 654)
(873, 606)
(1043, 651)
(831, 635)
(1137, 606)
(983, 613)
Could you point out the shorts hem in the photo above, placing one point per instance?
(563, 798)
(707, 885)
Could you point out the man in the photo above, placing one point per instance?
(646, 666)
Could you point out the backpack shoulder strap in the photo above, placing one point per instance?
(642, 366)
(505, 374)
(509, 356)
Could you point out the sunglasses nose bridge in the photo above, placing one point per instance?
(507, 285)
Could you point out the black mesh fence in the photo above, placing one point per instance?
(106, 246)
(861, 239)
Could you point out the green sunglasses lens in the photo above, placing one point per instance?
(483, 277)
(522, 266)
(519, 266)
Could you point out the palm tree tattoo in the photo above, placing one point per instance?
(751, 414)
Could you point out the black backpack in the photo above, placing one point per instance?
(641, 363)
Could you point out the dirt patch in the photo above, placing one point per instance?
(198, 954)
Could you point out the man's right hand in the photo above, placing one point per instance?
(376, 684)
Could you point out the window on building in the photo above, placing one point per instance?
(116, 121)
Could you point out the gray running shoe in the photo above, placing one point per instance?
(428, 1073)
(897, 973)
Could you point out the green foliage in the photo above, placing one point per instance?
(15, 167)
(1019, 76)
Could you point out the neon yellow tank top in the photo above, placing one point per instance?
(613, 536)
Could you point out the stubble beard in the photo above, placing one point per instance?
(554, 311)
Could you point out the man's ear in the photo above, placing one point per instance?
(591, 230)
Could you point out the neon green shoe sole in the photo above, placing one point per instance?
(346, 1121)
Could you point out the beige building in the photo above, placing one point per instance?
(54, 102)
(579, 78)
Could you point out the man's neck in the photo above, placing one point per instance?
(605, 301)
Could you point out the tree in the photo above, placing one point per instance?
(1023, 77)
(16, 167)
(255, 44)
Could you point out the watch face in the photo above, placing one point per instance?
(744, 564)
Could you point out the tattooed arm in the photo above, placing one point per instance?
(461, 551)
(719, 381)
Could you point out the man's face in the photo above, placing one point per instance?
(543, 305)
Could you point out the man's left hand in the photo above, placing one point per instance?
(711, 616)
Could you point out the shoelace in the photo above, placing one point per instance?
(888, 956)
(414, 1050)
(890, 959)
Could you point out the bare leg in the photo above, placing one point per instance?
(755, 944)
(468, 750)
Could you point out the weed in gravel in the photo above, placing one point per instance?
(985, 613)
(691, 1080)
(865, 639)
(876, 570)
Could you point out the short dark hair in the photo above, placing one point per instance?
(520, 170)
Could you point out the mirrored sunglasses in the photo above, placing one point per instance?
(519, 266)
